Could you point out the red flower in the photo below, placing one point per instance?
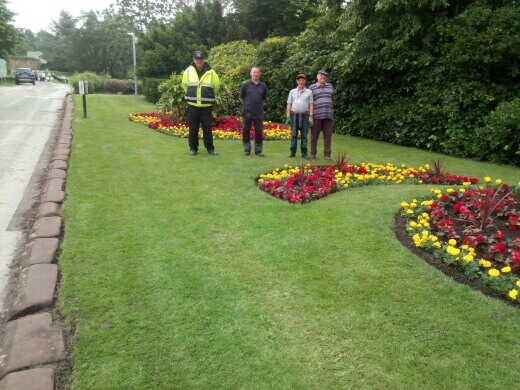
(499, 247)
(516, 257)
(468, 240)
(514, 222)
(500, 235)
(457, 206)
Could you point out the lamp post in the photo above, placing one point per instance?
(135, 62)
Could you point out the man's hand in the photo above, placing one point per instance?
(288, 120)
(311, 120)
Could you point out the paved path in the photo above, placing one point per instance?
(28, 117)
(33, 343)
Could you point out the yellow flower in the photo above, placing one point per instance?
(468, 258)
(494, 273)
(485, 263)
(452, 242)
(518, 283)
(487, 179)
(513, 294)
(498, 181)
(505, 270)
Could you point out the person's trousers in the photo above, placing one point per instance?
(258, 124)
(326, 126)
(195, 116)
(299, 122)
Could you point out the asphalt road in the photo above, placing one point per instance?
(29, 117)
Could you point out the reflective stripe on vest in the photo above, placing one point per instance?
(199, 85)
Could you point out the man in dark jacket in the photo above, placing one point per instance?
(253, 93)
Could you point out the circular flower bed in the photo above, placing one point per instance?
(475, 230)
(229, 127)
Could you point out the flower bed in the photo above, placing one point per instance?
(229, 127)
(307, 182)
(475, 230)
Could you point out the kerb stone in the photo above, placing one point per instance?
(31, 341)
(35, 379)
(42, 251)
(48, 227)
(49, 209)
(36, 285)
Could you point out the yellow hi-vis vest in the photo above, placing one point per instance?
(200, 93)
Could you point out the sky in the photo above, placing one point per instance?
(37, 15)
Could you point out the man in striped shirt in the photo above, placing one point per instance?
(323, 96)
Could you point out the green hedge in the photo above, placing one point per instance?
(150, 88)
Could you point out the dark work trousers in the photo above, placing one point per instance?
(195, 116)
(258, 123)
(320, 125)
(299, 122)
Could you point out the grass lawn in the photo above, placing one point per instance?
(178, 273)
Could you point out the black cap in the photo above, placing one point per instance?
(198, 54)
(323, 72)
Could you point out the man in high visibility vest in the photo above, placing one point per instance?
(200, 83)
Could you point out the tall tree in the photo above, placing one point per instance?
(145, 13)
(27, 44)
(10, 36)
(54, 44)
(274, 17)
(167, 48)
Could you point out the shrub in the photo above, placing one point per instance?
(150, 89)
(499, 139)
(114, 86)
(96, 82)
(172, 100)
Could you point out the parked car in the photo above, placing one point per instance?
(24, 75)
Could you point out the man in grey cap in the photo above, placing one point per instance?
(200, 83)
(323, 96)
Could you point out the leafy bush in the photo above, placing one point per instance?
(114, 86)
(425, 77)
(130, 87)
(96, 82)
(499, 139)
(232, 61)
(150, 89)
(172, 100)
(269, 55)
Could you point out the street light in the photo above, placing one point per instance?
(135, 62)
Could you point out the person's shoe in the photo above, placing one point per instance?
(193, 152)
(291, 155)
(213, 152)
(305, 157)
(312, 157)
(327, 157)
(260, 154)
(247, 153)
